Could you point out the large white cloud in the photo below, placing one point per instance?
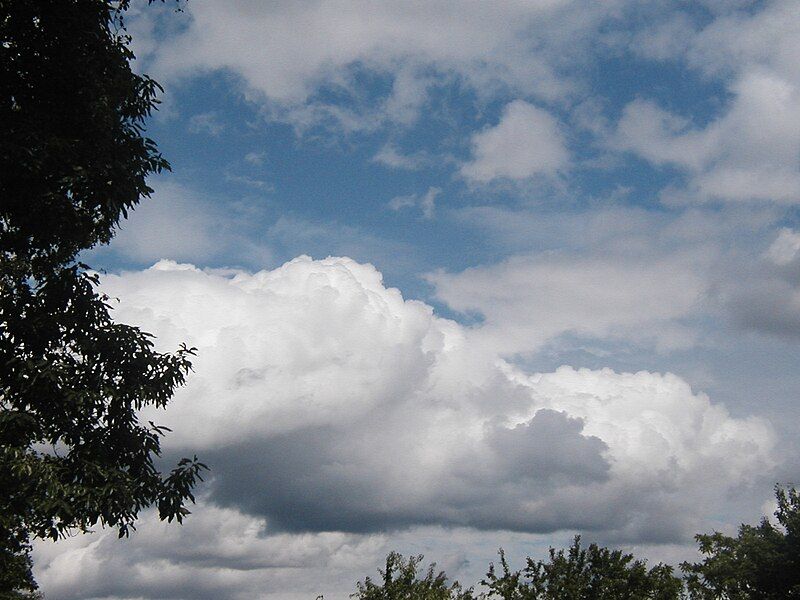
(319, 377)
(326, 402)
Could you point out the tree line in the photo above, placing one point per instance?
(762, 562)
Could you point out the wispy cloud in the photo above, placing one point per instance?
(426, 202)
(207, 123)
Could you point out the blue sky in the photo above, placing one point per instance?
(546, 252)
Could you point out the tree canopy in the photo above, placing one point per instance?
(762, 562)
(74, 161)
(593, 573)
(400, 580)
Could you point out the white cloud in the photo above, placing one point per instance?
(764, 36)
(252, 182)
(391, 157)
(401, 202)
(661, 137)
(426, 202)
(785, 248)
(324, 401)
(666, 39)
(766, 295)
(183, 224)
(527, 141)
(303, 359)
(216, 553)
(284, 53)
(206, 123)
(259, 326)
(255, 158)
(733, 260)
(529, 300)
(750, 152)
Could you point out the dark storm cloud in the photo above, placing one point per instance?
(319, 479)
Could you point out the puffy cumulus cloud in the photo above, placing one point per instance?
(296, 338)
(527, 141)
(529, 300)
(749, 152)
(326, 401)
(285, 53)
(332, 410)
(676, 441)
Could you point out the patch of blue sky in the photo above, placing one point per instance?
(310, 177)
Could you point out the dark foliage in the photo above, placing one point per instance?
(577, 574)
(400, 581)
(593, 573)
(761, 563)
(73, 162)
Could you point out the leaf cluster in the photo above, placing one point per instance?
(73, 450)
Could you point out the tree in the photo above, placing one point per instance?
(762, 562)
(594, 573)
(73, 162)
(400, 581)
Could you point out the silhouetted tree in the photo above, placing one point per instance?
(73, 162)
(762, 562)
(400, 580)
(593, 573)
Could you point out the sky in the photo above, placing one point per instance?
(461, 276)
